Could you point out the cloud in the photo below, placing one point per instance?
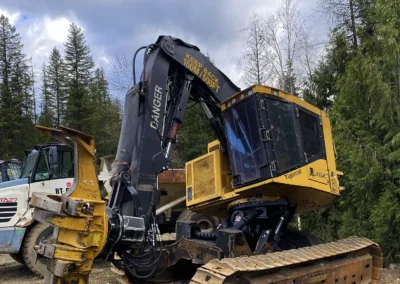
(120, 27)
(41, 34)
(12, 16)
(57, 29)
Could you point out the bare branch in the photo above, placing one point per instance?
(121, 74)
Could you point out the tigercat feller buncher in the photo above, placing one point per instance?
(274, 157)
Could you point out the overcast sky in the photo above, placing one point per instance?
(121, 26)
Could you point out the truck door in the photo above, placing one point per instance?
(40, 174)
(61, 179)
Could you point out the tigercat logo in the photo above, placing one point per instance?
(293, 174)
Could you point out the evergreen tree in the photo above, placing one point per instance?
(321, 89)
(194, 134)
(47, 116)
(16, 100)
(79, 65)
(367, 118)
(366, 124)
(105, 115)
(56, 83)
(349, 17)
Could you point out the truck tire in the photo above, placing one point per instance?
(34, 235)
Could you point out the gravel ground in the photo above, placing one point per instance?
(12, 272)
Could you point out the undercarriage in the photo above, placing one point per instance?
(254, 244)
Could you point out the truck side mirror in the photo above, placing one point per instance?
(53, 159)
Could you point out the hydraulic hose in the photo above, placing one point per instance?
(238, 226)
(133, 63)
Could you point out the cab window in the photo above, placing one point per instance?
(42, 170)
(66, 164)
(65, 167)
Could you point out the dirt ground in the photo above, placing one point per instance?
(12, 272)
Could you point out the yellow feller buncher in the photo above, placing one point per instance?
(273, 157)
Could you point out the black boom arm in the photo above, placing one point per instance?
(173, 73)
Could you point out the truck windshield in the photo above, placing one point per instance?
(30, 164)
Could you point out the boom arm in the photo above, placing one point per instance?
(173, 73)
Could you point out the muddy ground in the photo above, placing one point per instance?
(12, 272)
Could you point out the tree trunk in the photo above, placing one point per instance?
(353, 25)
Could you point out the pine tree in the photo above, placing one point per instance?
(16, 99)
(194, 134)
(47, 114)
(321, 89)
(349, 16)
(79, 65)
(56, 83)
(105, 115)
(366, 124)
(99, 90)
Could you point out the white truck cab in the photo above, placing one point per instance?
(48, 168)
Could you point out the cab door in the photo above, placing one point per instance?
(40, 176)
(61, 179)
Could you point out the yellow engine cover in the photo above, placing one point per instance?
(208, 177)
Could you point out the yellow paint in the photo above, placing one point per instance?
(80, 238)
(208, 176)
(314, 185)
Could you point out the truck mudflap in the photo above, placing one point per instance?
(351, 260)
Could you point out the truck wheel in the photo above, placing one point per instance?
(34, 235)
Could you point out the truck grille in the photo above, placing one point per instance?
(7, 211)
